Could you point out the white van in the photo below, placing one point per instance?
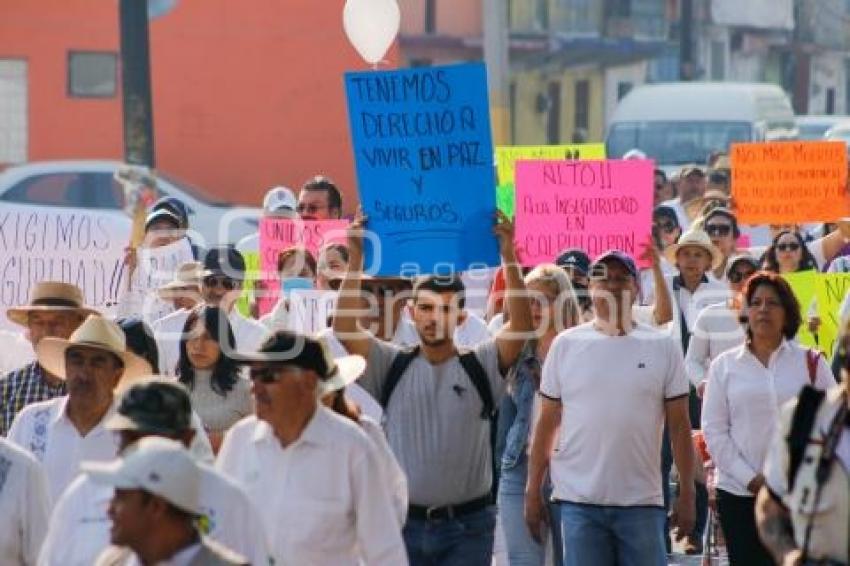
(680, 123)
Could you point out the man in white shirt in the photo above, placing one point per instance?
(24, 506)
(221, 285)
(607, 412)
(313, 475)
(79, 525)
(62, 432)
(155, 507)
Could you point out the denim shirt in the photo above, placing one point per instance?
(515, 412)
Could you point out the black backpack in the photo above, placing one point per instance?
(476, 373)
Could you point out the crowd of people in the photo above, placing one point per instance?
(541, 428)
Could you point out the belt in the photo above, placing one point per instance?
(422, 513)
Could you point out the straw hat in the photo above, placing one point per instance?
(94, 332)
(695, 238)
(51, 296)
(187, 275)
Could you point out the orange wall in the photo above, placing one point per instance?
(246, 93)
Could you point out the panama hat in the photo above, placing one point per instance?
(695, 238)
(94, 332)
(51, 296)
(188, 274)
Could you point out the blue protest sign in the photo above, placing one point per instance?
(424, 160)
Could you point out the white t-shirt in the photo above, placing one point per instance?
(715, 330)
(79, 527)
(613, 410)
(24, 505)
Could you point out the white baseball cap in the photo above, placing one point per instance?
(280, 201)
(157, 465)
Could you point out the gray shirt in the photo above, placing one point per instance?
(434, 423)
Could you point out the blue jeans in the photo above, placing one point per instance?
(612, 536)
(522, 549)
(463, 541)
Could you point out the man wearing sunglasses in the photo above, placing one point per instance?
(314, 475)
(319, 199)
(221, 285)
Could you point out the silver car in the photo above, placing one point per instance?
(91, 185)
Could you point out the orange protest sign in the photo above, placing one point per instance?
(789, 182)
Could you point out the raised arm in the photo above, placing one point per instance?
(348, 306)
(514, 334)
(663, 308)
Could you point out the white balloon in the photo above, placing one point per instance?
(371, 26)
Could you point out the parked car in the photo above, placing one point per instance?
(680, 123)
(839, 132)
(91, 185)
(814, 127)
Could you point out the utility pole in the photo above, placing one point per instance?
(496, 37)
(136, 83)
(687, 66)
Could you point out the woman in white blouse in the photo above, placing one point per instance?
(718, 327)
(746, 388)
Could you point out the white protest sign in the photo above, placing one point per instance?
(154, 268)
(310, 309)
(73, 245)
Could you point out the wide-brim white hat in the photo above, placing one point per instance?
(94, 332)
(698, 239)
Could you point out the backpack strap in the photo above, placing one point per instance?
(478, 375)
(397, 368)
(802, 422)
(812, 358)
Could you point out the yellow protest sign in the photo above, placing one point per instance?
(804, 283)
(830, 290)
(507, 156)
(789, 182)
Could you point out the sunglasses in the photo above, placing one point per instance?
(269, 375)
(222, 280)
(718, 229)
(790, 247)
(667, 227)
(739, 275)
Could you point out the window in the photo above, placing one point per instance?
(70, 189)
(543, 14)
(430, 16)
(718, 60)
(623, 88)
(582, 105)
(92, 74)
(830, 101)
(553, 123)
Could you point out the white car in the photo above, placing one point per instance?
(91, 185)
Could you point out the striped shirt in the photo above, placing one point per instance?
(23, 387)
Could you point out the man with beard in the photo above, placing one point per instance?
(439, 403)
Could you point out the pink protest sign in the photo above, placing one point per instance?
(592, 205)
(277, 234)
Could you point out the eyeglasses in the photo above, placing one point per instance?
(738, 275)
(718, 229)
(600, 274)
(222, 280)
(667, 227)
(272, 374)
(309, 208)
(789, 247)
